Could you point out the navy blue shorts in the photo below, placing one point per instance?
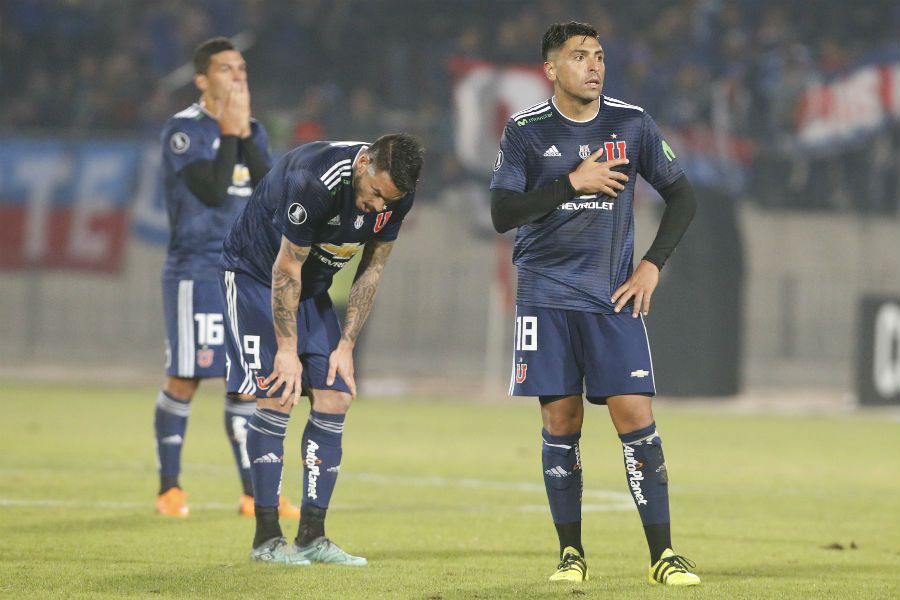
(195, 328)
(568, 353)
(251, 342)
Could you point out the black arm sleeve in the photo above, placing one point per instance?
(511, 209)
(680, 208)
(209, 179)
(255, 159)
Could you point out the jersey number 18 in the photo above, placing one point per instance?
(526, 333)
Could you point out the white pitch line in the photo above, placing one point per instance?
(605, 500)
(479, 484)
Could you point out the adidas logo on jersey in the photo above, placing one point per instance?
(552, 151)
(271, 457)
(335, 221)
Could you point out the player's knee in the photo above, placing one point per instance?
(331, 401)
(274, 404)
(562, 416)
(240, 397)
(630, 413)
(563, 422)
(181, 388)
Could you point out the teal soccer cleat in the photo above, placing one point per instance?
(323, 550)
(278, 551)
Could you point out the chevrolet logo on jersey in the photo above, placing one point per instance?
(335, 255)
(240, 181)
(241, 175)
(594, 205)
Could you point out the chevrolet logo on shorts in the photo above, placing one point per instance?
(640, 373)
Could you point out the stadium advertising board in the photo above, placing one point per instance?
(878, 369)
(65, 204)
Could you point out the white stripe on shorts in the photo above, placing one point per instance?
(247, 386)
(650, 354)
(512, 376)
(186, 328)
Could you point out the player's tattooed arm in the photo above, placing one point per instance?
(365, 284)
(286, 291)
(287, 370)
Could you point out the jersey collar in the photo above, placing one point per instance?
(358, 152)
(199, 104)
(575, 122)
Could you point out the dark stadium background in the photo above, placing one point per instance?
(784, 113)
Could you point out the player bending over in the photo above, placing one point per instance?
(319, 205)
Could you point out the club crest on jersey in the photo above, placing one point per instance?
(205, 357)
(584, 150)
(521, 371)
(261, 383)
(297, 214)
(614, 150)
(381, 220)
(359, 221)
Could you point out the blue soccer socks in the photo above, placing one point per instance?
(561, 461)
(237, 417)
(265, 450)
(648, 481)
(170, 425)
(321, 453)
(645, 470)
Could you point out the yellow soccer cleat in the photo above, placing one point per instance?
(285, 508)
(571, 568)
(172, 503)
(672, 569)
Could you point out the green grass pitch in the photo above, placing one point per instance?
(446, 500)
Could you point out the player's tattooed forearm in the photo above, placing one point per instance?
(375, 255)
(285, 299)
(362, 293)
(286, 288)
(362, 296)
(295, 252)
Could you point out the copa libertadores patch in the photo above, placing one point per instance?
(297, 214)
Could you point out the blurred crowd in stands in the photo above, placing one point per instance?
(349, 69)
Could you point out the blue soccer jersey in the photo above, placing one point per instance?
(576, 256)
(198, 230)
(308, 197)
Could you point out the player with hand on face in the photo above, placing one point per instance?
(565, 178)
(214, 152)
(320, 205)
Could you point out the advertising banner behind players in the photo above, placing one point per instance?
(65, 204)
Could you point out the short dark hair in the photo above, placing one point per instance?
(401, 155)
(555, 37)
(204, 52)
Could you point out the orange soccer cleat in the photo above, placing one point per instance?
(172, 503)
(285, 508)
(246, 508)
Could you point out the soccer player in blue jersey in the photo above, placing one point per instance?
(214, 152)
(565, 178)
(320, 205)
